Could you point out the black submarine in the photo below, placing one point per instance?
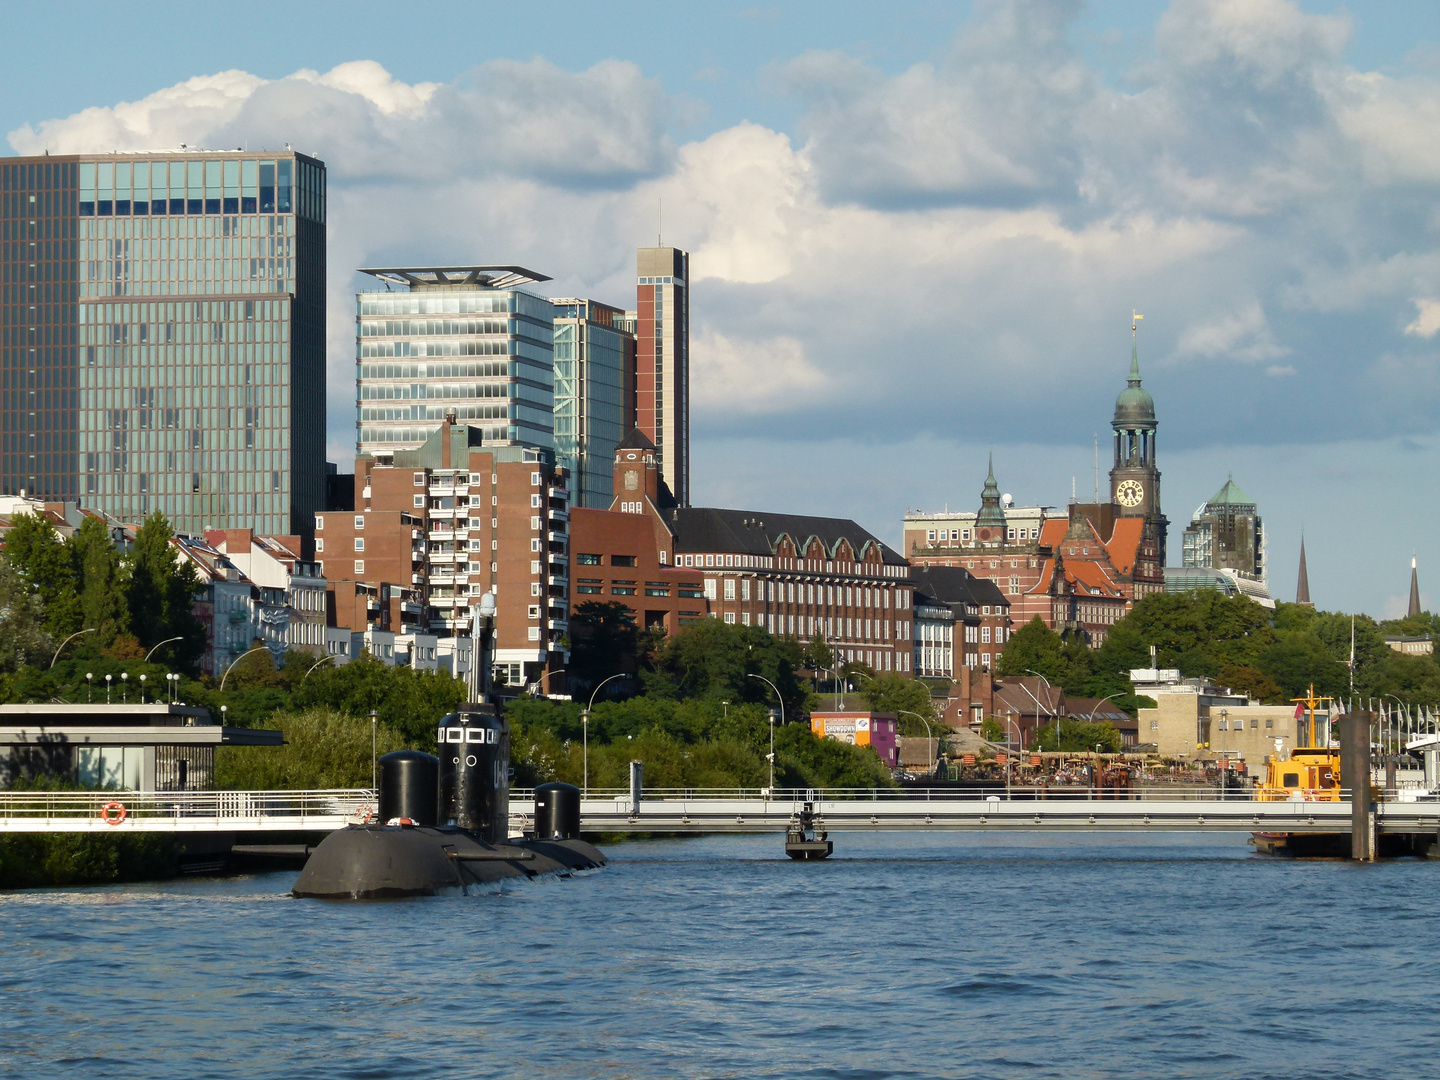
(443, 823)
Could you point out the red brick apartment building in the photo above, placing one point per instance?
(797, 576)
(435, 527)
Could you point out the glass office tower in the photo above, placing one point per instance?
(594, 395)
(162, 335)
(465, 339)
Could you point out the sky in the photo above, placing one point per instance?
(917, 232)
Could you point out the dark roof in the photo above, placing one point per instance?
(635, 440)
(956, 585)
(699, 528)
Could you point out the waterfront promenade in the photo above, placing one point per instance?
(1175, 808)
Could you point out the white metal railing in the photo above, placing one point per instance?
(1016, 792)
(182, 811)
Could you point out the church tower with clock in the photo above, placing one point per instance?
(1135, 479)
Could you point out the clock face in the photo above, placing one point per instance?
(1130, 492)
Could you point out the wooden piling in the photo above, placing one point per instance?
(1355, 775)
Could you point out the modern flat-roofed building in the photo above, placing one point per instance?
(136, 746)
(162, 335)
(662, 365)
(594, 394)
(461, 339)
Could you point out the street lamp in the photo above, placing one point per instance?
(1048, 690)
(167, 641)
(374, 725)
(313, 666)
(781, 700)
(258, 648)
(545, 680)
(585, 725)
(928, 735)
(125, 686)
(1039, 707)
(89, 675)
(142, 689)
(67, 641)
(107, 688)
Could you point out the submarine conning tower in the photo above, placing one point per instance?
(473, 746)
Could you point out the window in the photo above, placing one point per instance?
(534, 588)
(729, 588)
(474, 478)
(622, 590)
(419, 502)
(535, 523)
(319, 544)
(622, 560)
(419, 479)
(1269, 723)
(534, 543)
(730, 617)
(359, 521)
(533, 611)
(359, 566)
(588, 590)
(359, 543)
(1154, 725)
(709, 588)
(985, 635)
(745, 590)
(534, 501)
(319, 522)
(534, 479)
(930, 535)
(585, 559)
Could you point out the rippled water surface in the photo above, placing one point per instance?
(944, 955)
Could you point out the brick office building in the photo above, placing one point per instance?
(999, 543)
(435, 527)
(797, 576)
(981, 614)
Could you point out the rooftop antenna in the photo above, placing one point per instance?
(659, 220)
(1097, 468)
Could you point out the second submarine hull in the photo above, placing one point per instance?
(377, 862)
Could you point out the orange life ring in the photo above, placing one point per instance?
(112, 813)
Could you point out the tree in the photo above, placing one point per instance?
(712, 660)
(603, 641)
(102, 591)
(23, 639)
(36, 550)
(162, 588)
(1244, 679)
(1080, 736)
(1035, 647)
(894, 693)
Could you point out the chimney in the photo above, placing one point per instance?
(445, 429)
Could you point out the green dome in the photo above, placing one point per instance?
(1134, 403)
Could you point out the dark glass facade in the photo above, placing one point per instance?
(164, 335)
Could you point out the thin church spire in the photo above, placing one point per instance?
(1302, 587)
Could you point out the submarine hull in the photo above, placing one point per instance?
(379, 862)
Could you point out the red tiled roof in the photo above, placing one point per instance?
(1125, 543)
(1053, 531)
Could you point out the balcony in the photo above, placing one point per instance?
(559, 515)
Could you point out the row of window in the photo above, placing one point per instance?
(952, 536)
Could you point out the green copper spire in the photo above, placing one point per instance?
(990, 512)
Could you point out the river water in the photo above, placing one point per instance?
(947, 955)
